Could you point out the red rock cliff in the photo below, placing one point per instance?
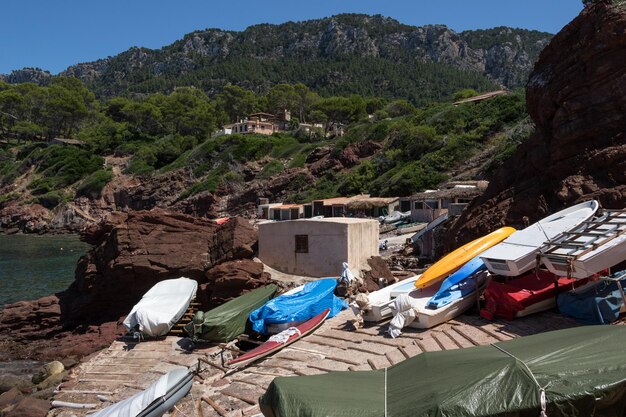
(576, 95)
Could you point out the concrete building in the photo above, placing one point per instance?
(259, 123)
(318, 247)
(373, 206)
(429, 205)
(334, 207)
(286, 212)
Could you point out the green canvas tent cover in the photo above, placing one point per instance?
(228, 321)
(583, 372)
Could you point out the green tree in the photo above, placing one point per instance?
(235, 103)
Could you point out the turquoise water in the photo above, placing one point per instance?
(35, 266)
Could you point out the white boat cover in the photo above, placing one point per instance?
(162, 306)
(134, 405)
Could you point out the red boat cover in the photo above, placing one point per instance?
(504, 300)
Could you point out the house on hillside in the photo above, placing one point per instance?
(259, 123)
(437, 206)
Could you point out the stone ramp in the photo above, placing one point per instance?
(124, 368)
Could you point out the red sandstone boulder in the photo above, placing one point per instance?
(576, 95)
(231, 279)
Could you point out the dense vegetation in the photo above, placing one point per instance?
(340, 55)
(162, 132)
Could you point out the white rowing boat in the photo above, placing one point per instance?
(518, 253)
(380, 302)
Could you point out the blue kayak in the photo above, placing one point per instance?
(457, 286)
(299, 306)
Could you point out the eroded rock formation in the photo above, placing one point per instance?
(576, 95)
(131, 253)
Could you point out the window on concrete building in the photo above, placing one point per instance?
(302, 243)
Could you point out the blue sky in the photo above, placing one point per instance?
(55, 34)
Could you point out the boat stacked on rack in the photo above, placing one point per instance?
(518, 253)
(588, 248)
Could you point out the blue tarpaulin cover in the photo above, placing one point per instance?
(301, 306)
(598, 304)
(457, 285)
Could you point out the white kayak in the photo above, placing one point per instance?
(161, 307)
(155, 400)
(518, 253)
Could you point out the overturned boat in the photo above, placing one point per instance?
(155, 400)
(161, 307)
(517, 254)
(573, 372)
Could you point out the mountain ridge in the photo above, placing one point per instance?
(349, 49)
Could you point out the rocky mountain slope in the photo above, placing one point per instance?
(369, 55)
(576, 95)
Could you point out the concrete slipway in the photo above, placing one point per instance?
(124, 368)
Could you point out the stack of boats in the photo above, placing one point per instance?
(518, 272)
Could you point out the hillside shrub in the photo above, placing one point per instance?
(91, 187)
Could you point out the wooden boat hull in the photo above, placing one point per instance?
(271, 347)
(459, 257)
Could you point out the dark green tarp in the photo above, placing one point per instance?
(228, 321)
(582, 369)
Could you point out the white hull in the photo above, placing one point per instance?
(382, 300)
(603, 257)
(161, 307)
(518, 253)
(427, 318)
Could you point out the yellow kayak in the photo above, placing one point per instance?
(457, 258)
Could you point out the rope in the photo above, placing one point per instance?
(385, 392)
(542, 390)
(283, 337)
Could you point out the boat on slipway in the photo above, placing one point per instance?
(591, 247)
(428, 307)
(525, 295)
(381, 301)
(559, 373)
(297, 306)
(229, 320)
(280, 340)
(161, 307)
(459, 257)
(155, 400)
(517, 254)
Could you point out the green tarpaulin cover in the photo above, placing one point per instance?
(228, 321)
(583, 371)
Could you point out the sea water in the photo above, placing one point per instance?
(35, 266)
